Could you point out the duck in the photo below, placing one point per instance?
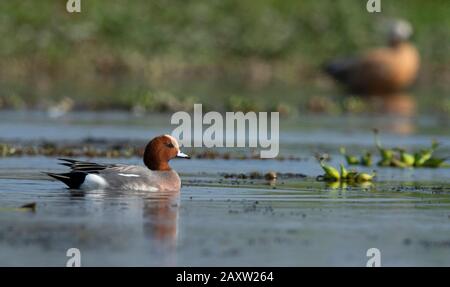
(155, 175)
(383, 70)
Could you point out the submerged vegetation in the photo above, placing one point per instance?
(114, 149)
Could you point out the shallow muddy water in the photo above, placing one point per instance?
(294, 221)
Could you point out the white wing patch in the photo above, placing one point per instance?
(128, 175)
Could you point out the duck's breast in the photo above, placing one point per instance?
(407, 64)
(386, 69)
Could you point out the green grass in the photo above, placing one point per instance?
(114, 54)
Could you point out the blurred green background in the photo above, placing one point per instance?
(227, 54)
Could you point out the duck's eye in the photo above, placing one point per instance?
(169, 145)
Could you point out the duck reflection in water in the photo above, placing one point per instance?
(398, 109)
(160, 226)
(152, 217)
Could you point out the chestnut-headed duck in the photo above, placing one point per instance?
(383, 70)
(155, 176)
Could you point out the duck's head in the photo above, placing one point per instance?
(399, 31)
(160, 150)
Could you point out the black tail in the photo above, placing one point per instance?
(339, 68)
(71, 179)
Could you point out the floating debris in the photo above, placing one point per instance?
(267, 176)
(29, 206)
(270, 175)
(24, 208)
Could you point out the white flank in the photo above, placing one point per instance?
(93, 181)
(128, 174)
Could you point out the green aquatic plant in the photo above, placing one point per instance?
(336, 185)
(358, 177)
(435, 162)
(400, 158)
(406, 159)
(343, 175)
(344, 172)
(385, 154)
(331, 173)
(366, 159)
(343, 185)
(351, 159)
(422, 156)
(395, 162)
(362, 177)
(425, 157)
(3, 150)
(7, 150)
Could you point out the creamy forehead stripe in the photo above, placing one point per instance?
(174, 141)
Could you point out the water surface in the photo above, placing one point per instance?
(217, 221)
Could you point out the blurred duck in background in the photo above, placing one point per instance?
(380, 71)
